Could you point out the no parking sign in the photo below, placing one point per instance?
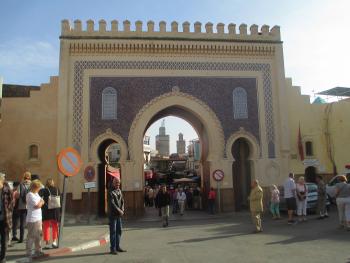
(69, 164)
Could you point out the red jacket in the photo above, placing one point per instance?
(212, 195)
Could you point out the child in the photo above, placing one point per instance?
(34, 218)
(275, 202)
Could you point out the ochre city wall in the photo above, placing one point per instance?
(27, 121)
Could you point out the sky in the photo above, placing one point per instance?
(315, 33)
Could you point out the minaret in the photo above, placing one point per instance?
(181, 144)
(163, 141)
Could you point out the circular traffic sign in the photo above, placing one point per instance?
(218, 175)
(69, 161)
(89, 173)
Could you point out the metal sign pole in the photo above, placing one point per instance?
(63, 211)
(219, 196)
(89, 200)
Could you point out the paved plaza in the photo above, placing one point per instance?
(224, 238)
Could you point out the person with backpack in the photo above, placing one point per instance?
(23, 190)
(50, 212)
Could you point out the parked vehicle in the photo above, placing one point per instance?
(330, 188)
(312, 198)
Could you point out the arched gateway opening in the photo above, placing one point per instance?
(109, 155)
(195, 112)
(241, 172)
(107, 150)
(195, 171)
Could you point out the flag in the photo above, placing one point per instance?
(300, 146)
(114, 172)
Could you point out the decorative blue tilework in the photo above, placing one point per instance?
(80, 66)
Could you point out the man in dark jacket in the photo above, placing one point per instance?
(6, 206)
(23, 190)
(164, 203)
(115, 213)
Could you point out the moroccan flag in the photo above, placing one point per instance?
(300, 145)
(114, 172)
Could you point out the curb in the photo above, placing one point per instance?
(66, 250)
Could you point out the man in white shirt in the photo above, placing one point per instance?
(181, 198)
(289, 195)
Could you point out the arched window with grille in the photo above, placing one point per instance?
(109, 104)
(33, 152)
(240, 105)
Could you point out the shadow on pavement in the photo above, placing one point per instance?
(71, 256)
(193, 240)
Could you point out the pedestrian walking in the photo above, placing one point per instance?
(181, 198)
(211, 200)
(321, 198)
(196, 198)
(146, 196)
(156, 205)
(50, 212)
(289, 195)
(342, 193)
(256, 205)
(189, 198)
(34, 219)
(150, 197)
(6, 207)
(175, 201)
(23, 190)
(115, 213)
(275, 202)
(15, 213)
(301, 191)
(163, 200)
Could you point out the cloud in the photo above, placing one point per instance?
(21, 54)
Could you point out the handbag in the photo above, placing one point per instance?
(54, 201)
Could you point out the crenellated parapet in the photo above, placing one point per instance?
(174, 30)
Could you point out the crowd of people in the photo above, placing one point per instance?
(188, 197)
(32, 205)
(295, 195)
(37, 207)
(180, 198)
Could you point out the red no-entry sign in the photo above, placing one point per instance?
(218, 175)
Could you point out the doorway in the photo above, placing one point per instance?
(241, 173)
(310, 174)
(109, 154)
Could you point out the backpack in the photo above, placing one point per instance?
(24, 190)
